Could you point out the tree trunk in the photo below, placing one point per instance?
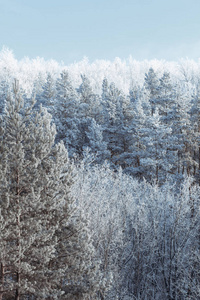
(199, 166)
(17, 294)
(2, 281)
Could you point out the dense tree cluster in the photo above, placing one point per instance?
(146, 236)
(151, 132)
(105, 203)
(142, 116)
(46, 251)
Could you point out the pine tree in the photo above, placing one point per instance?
(4, 87)
(65, 106)
(115, 106)
(48, 93)
(151, 84)
(153, 138)
(45, 248)
(166, 98)
(85, 90)
(194, 133)
(90, 105)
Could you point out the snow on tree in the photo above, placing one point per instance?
(46, 251)
(85, 90)
(182, 133)
(66, 104)
(194, 133)
(102, 195)
(75, 118)
(151, 84)
(48, 93)
(145, 235)
(4, 87)
(116, 124)
(166, 97)
(90, 104)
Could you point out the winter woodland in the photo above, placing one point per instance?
(99, 179)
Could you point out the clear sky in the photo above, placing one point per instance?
(68, 30)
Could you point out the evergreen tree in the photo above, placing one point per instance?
(151, 84)
(116, 124)
(37, 90)
(90, 105)
(85, 90)
(166, 98)
(4, 87)
(65, 106)
(45, 248)
(48, 94)
(153, 136)
(194, 132)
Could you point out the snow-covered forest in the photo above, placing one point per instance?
(99, 179)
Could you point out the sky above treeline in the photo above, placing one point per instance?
(68, 30)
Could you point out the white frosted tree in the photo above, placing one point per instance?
(65, 106)
(194, 133)
(102, 195)
(90, 103)
(166, 97)
(75, 118)
(117, 125)
(4, 87)
(152, 140)
(151, 83)
(146, 236)
(85, 91)
(45, 247)
(48, 93)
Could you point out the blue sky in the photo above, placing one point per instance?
(68, 30)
